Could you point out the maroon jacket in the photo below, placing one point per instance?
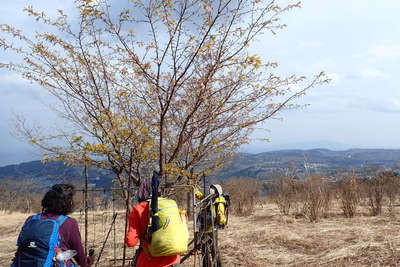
(71, 238)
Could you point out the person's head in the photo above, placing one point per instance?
(59, 199)
(216, 189)
(144, 190)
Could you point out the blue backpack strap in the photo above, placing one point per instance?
(36, 216)
(55, 239)
(61, 219)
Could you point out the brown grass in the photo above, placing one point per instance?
(269, 239)
(10, 225)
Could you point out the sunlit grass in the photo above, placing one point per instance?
(265, 238)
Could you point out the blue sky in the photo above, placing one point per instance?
(357, 43)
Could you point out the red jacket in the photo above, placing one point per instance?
(138, 223)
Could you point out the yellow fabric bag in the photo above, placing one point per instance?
(173, 236)
(220, 216)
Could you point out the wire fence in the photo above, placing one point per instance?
(102, 214)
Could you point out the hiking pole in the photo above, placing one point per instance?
(185, 257)
(105, 241)
(86, 207)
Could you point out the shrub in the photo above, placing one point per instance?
(244, 193)
(348, 194)
(284, 192)
(314, 197)
(19, 196)
(374, 189)
(391, 188)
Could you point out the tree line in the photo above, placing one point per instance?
(314, 196)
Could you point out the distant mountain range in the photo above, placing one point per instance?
(313, 161)
(260, 166)
(49, 173)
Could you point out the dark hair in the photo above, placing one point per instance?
(144, 190)
(59, 199)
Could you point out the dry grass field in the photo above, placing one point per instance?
(267, 238)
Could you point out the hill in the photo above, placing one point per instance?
(48, 173)
(264, 165)
(260, 166)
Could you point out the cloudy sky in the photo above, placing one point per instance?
(357, 42)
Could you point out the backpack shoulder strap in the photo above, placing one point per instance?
(36, 216)
(61, 219)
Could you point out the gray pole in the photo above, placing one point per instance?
(86, 208)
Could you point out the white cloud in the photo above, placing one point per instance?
(389, 105)
(386, 50)
(374, 74)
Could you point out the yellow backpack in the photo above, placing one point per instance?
(172, 237)
(220, 211)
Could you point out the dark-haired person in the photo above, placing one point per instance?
(56, 203)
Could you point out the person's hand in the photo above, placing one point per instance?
(91, 257)
(90, 260)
